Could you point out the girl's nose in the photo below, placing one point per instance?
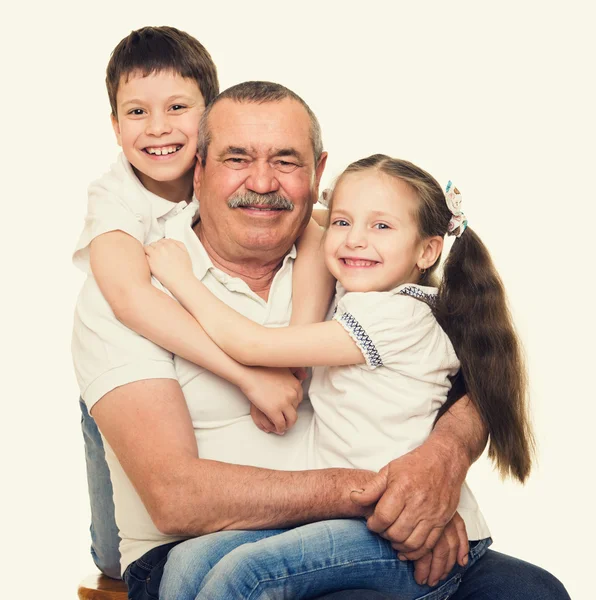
(356, 238)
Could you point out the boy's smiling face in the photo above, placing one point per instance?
(157, 126)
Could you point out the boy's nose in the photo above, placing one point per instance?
(158, 125)
(262, 178)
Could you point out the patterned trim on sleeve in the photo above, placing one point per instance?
(357, 333)
(417, 293)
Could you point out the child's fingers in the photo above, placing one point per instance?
(291, 417)
(278, 421)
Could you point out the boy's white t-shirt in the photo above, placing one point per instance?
(106, 353)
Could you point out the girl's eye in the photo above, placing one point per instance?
(382, 226)
(178, 107)
(341, 223)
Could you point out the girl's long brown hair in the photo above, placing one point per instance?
(472, 309)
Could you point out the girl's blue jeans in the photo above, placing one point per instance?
(304, 562)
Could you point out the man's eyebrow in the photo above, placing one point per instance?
(235, 150)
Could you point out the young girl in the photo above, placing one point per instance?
(386, 360)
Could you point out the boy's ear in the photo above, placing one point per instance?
(116, 128)
(430, 252)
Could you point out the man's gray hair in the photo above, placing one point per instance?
(258, 92)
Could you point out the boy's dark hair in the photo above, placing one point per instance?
(154, 49)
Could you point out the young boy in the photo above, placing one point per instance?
(159, 80)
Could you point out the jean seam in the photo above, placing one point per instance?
(318, 569)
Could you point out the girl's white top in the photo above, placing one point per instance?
(367, 415)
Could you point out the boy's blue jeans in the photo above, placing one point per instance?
(299, 563)
(495, 577)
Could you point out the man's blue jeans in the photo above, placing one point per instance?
(495, 577)
(104, 533)
(298, 563)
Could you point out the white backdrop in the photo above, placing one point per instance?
(498, 97)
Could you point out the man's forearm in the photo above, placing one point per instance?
(214, 496)
(461, 433)
(187, 495)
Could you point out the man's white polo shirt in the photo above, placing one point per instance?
(108, 355)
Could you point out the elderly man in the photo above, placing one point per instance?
(165, 489)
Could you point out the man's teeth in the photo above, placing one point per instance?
(359, 263)
(163, 150)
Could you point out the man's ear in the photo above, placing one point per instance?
(431, 251)
(116, 128)
(197, 175)
(318, 174)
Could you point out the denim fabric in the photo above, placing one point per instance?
(501, 577)
(303, 562)
(143, 576)
(104, 533)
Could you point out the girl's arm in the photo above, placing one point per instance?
(120, 268)
(315, 344)
(312, 284)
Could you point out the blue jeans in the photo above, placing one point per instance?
(104, 533)
(299, 563)
(495, 577)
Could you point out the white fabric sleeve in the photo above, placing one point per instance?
(386, 327)
(107, 354)
(116, 202)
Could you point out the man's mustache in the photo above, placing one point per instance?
(271, 200)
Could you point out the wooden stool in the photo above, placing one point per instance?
(100, 587)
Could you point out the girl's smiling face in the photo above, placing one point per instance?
(372, 243)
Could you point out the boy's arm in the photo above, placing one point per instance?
(321, 216)
(312, 284)
(120, 268)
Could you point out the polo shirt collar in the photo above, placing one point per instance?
(160, 206)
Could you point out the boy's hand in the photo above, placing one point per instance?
(276, 393)
(169, 261)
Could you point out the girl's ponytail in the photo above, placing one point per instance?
(473, 311)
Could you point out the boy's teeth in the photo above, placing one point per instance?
(164, 150)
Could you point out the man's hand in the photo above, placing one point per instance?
(169, 262)
(416, 496)
(275, 395)
(451, 547)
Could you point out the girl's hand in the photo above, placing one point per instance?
(169, 261)
(276, 393)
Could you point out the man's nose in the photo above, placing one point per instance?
(158, 124)
(262, 178)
